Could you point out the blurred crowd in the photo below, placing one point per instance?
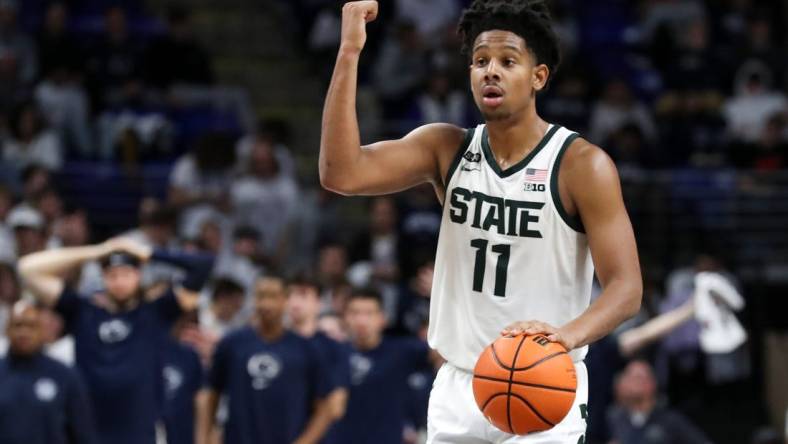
(657, 83)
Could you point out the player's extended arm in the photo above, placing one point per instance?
(380, 168)
(321, 419)
(207, 404)
(594, 188)
(44, 272)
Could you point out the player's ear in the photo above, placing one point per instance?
(539, 76)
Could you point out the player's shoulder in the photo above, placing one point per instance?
(583, 161)
(238, 335)
(582, 154)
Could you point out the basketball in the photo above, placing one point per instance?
(524, 384)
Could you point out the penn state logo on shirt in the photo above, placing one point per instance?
(115, 330)
(173, 380)
(263, 368)
(45, 389)
(359, 368)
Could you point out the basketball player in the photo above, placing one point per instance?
(529, 210)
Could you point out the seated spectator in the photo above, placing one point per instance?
(199, 181)
(264, 193)
(755, 101)
(244, 260)
(638, 416)
(769, 153)
(18, 60)
(31, 141)
(400, 69)
(29, 229)
(58, 51)
(177, 58)
(115, 63)
(616, 108)
(442, 103)
(429, 16)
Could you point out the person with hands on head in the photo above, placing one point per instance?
(530, 210)
(117, 333)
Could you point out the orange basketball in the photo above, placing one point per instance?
(524, 384)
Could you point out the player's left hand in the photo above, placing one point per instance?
(531, 328)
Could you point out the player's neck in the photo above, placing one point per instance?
(368, 343)
(306, 327)
(512, 139)
(270, 332)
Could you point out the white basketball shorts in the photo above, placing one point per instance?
(454, 418)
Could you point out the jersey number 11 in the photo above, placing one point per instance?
(501, 268)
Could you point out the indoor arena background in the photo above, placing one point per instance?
(143, 117)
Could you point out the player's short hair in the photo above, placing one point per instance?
(366, 294)
(304, 278)
(226, 286)
(529, 19)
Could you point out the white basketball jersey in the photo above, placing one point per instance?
(507, 249)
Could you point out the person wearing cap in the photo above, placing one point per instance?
(118, 334)
(29, 229)
(42, 401)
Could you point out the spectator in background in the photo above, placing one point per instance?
(440, 102)
(274, 380)
(264, 193)
(430, 17)
(376, 245)
(183, 377)
(29, 230)
(769, 153)
(223, 310)
(567, 100)
(18, 61)
(31, 141)
(616, 108)
(58, 51)
(755, 102)
(43, 401)
(200, 181)
(639, 418)
(9, 294)
(117, 333)
(303, 310)
(245, 260)
(332, 272)
(759, 44)
(177, 58)
(115, 63)
(379, 369)
(400, 69)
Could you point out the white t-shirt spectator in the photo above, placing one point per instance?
(44, 150)
(266, 204)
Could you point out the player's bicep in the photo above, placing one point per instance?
(596, 192)
(395, 165)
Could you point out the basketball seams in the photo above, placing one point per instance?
(527, 367)
(527, 384)
(533, 409)
(509, 389)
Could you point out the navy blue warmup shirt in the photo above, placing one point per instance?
(376, 409)
(336, 360)
(183, 377)
(43, 402)
(119, 357)
(271, 386)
